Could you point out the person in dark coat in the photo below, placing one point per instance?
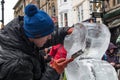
(111, 56)
(20, 43)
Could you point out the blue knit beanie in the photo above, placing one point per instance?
(37, 23)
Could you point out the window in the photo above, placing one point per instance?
(61, 16)
(114, 2)
(53, 10)
(91, 7)
(80, 13)
(118, 1)
(65, 0)
(66, 19)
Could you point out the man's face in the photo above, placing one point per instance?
(39, 42)
(111, 50)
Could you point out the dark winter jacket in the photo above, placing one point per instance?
(111, 57)
(20, 59)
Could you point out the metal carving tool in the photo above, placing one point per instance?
(76, 54)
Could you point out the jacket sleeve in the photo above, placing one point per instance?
(15, 69)
(57, 37)
(24, 70)
(50, 74)
(27, 74)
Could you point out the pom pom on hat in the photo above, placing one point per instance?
(30, 10)
(37, 23)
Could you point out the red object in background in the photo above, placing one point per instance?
(54, 19)
(58, 51)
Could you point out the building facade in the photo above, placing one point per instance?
(65, 13)
(112, 18)
(74, 11)
(82, 10)
(19, 8)
(49, 6)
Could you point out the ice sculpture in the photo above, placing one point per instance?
(92, 39)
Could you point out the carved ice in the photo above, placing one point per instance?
(93, 39)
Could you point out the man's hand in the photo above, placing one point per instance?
(60, 64)
(70, 30)
(112, 63)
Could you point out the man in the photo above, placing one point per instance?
(110, 56)
(20, 44)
